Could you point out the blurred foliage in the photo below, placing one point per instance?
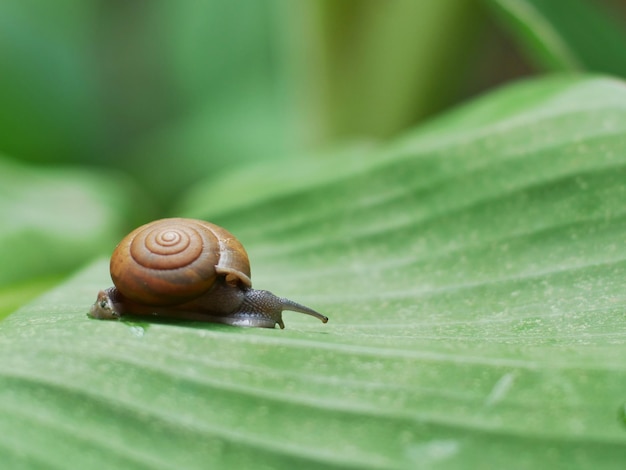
(50, 98)
(577, 37)
(176, 92)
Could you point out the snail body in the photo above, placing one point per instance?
(188, 269)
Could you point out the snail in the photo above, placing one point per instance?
(188, 269)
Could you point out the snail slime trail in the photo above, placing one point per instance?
(188, 269)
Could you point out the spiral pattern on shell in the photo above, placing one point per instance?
(172, 261)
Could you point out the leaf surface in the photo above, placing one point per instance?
(473, 276)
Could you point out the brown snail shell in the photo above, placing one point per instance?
(189, 269)
(170, 261)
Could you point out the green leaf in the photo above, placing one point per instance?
(473, 275)
(566, 36)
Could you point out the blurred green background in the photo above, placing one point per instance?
(176, 92)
